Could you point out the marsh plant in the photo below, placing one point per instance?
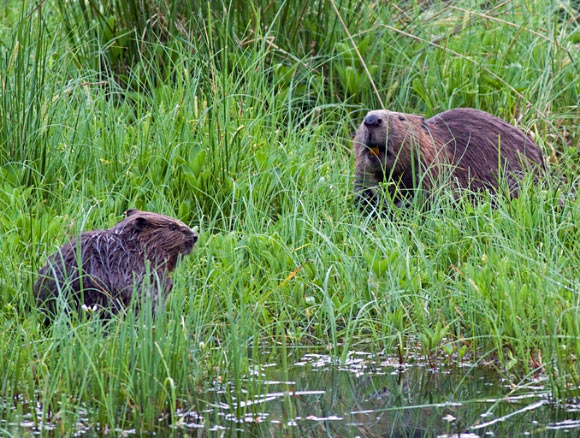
(237, 118)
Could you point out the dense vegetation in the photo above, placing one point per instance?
(236, 117)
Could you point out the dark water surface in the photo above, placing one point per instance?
(372, 396)
(367, 396)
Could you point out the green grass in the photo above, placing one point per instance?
(242, 126)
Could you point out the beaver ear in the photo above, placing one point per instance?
(131, 212)
(141, 223)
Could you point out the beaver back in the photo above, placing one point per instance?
(482, 148)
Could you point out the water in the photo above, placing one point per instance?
(367, 396)
(374, 396)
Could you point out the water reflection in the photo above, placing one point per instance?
(372, 396)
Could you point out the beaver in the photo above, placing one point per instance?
(103, 269)
(471, 148)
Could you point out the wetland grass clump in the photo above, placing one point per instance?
(245, 130)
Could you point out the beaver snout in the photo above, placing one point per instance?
(372, 120)
(372, 133)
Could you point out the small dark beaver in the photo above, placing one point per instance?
(468, 147)
(136, 255)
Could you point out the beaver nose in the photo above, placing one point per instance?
(372, 120)
(192, 235)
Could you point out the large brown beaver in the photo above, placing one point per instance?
(134, 256)
(467, 147)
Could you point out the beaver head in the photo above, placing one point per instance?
(386, 140)
(162, 238)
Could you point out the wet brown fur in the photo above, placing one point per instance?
(137, 253)
(458, 146)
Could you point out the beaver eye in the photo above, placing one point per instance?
(401, 118)
(173, 227)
